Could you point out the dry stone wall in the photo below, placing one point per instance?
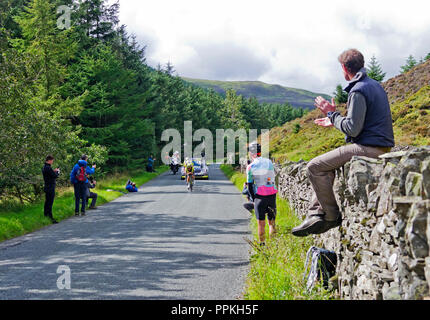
(383, 243)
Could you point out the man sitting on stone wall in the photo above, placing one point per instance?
(369, 132)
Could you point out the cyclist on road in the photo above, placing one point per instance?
(189, 169)
(260, 178)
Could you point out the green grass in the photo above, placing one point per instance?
(17, 220)
(411, 119)
(276, 271)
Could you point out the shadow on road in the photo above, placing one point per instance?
(134, 256)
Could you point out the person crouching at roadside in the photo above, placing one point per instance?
(91, 195)
(131, 186)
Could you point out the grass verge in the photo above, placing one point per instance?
(276, 271)
(17, 220)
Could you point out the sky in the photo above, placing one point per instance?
(291, 43)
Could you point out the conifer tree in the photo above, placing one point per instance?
(170, 69)
(233, 118)
(410, 63)
(97, 20)
(374, 70)
(49, 47)
(115, 110)
(340, 96)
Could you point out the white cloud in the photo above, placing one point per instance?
(292, 43)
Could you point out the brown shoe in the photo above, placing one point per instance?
(311, 225)
(330, 225)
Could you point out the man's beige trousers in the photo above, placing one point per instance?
(321, 173)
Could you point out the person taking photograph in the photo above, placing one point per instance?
(50, 179)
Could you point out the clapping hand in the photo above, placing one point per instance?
(324, 105)
(324, 122)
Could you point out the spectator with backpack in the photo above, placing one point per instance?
(79, 179)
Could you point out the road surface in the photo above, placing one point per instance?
(159, 243)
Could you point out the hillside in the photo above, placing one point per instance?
(265, 93)
(409, 96)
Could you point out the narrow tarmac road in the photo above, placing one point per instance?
(159, 243)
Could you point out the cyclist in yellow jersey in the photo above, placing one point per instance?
(189, 169)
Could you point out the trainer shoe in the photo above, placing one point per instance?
(330, 225)
(311, 225)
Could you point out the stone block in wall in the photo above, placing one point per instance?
(425, 170)
(414, 184)
(388, 187)
(409, 163)
(427, 271)
(412, 284)
(391, 291)
(416, 230)
(363, 172)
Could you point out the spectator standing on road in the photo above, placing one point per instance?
(50, 178)
(79, 179)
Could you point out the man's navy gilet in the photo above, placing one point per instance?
(378, 124)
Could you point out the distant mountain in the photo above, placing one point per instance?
(265, 93)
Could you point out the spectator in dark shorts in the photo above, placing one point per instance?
(260, 178)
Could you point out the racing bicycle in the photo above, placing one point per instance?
(190, 182)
